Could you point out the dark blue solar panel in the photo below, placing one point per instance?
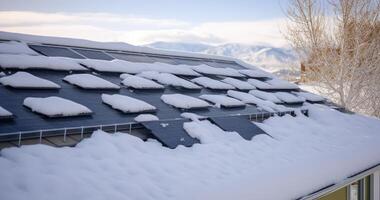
(163, 60)
(170, 133)
(187, 61)
(240, 124)
(55, 51)
(131, 57)
(93, 54)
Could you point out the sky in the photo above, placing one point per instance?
(141, 22)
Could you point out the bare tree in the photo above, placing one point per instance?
(338, 42)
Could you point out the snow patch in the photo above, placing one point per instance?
(14, 47)
(27, 80)
(265, 96)
(169, 79)
(212, 84)
(239, 84)
(55, 106)
(289, 98)
(127, 104)
(89, 81)
(222, 100)
(38, 62)
(146, 118)
(183, 101)
(138, 82)
(206, 69)
(4, 112)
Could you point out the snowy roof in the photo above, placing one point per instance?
(296, 142)
(27, 80)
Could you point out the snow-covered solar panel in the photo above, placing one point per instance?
(131, 57)
(221, 64)
(206, 69)
(56, 107)
(281, 84)
(93, 54)
(169, 79)
(5, 114)
(184, 101)
(222, 100)
(289, 98)
(89, 81)
(127, 104)
(212, 84)
(265, 96)
(26, 80)
(13, 47)
(255, 73)
(309, 96)
(137, 82)
(167, 60)
(54, 51)
(239, 84)
(243, 126)
(10, 61)
(170, 133)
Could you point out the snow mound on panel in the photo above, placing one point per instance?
(239, 84)
(192, 116)
(4, 112)
(38, 62)
(255, 73)
(169, 79)
(13, 47)
(263, 104)
(89, 81)
(288, 97)
(206, 69)
(27, 80)
(55, 106)
(138, 82)
(123, 66)
(183, 101)
(265, 96)
(212, 84)
(130, 168)
(127, 104)
(222, 100)
(259, 84)
(282, 84)
(208, 133)
(146, 118)
(309, 96)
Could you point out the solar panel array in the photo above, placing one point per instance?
(25, 120)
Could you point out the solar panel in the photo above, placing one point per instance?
(55, 51)
(240, 124)
(223, 64)
(131, 57)
(167, 60)
(170, 133)
(93, 54)
(187, 61)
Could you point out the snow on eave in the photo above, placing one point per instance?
(118, 46)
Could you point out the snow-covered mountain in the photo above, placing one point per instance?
(270, 58)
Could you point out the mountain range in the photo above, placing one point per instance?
(273, 59)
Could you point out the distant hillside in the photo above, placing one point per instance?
(281, 61)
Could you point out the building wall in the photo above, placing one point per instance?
(337, 195)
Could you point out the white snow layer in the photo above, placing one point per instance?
(306, 152)
(265, 96)
(192, 116)
(222, 100)
(212, 84)
(263, 104)
(127, 104)
(27, 80)
(289, 97)
(310, 96)
(239, 84)
(89, 81)
(137, 67)
(146, 118)
(255, 73)
(281, 84)
(4, 112)
(206, 69)
(183, 101)
(259, 84)
(38, 62)
(169, 79)
(55, 106)
(14, 47)
(138, 82)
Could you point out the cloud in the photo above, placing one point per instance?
(139, 30)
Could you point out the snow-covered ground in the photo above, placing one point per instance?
(305, 154)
